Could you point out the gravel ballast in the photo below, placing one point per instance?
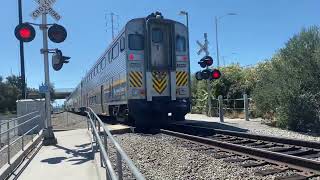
(67, 121)
(255, 126)
(164, 157)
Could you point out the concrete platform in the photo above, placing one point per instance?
(71, 158)
(119, 129)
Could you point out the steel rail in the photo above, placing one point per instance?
(273, 139)
(135, 171)
(297, 162)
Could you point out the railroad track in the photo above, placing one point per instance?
(303, 157)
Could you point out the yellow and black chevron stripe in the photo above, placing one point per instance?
(159, 80)
(181, 78)
(135, 79)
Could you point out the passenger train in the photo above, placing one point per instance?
(143, 76)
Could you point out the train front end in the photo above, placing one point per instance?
(164, 94)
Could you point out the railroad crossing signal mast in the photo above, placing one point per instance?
(208, 73)
(57, 34)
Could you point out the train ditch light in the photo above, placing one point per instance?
(58, 60)
(25, 32)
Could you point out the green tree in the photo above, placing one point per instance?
(288, 85)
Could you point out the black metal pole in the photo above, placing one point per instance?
(23, 77)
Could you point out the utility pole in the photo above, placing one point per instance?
(217, 44)
(49, 138)
(23, 76)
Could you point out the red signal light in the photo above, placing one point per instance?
(216, 74)
(25, 33)
(208, 60)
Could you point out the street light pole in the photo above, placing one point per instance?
(217, 42)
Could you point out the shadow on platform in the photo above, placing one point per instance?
(80, 155)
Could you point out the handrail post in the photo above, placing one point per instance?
(22, 142)
(8, 141)
(119, 166)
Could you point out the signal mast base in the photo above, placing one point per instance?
(48, 137)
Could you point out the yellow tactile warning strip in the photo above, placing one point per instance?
(181, 78)
(159, 80)
(135, 79)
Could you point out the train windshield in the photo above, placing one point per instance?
(136, 42)
(180, 44)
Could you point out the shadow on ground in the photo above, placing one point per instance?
(81, 154)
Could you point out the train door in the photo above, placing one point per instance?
(101, 99)
(160, 59)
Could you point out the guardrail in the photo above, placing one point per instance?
(95, 124)
(10, 140)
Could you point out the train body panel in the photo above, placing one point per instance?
(144, 71)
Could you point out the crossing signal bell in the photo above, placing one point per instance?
(25, 32)
(210, 74)
(58, 60)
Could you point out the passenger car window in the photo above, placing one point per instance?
(157, 35)
(136, 42)
(180, 44)
(109, 57)
(122, 44)
(104, 62)
(115, 51)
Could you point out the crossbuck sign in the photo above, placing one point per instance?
(203, 47)
(45, 7)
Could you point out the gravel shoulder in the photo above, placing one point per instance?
(67, 120)
(255, 126)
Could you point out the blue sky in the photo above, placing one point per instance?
(256, 33)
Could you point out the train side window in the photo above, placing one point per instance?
(109, 57)
(136, 42)
(100, 65)
(157, 35)
(122, 44)
(104, 62)
(181, 44)
(115, 51)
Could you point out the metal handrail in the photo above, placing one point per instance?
(10, 129)
(120, 152)
(13, 119)
(7, 132)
